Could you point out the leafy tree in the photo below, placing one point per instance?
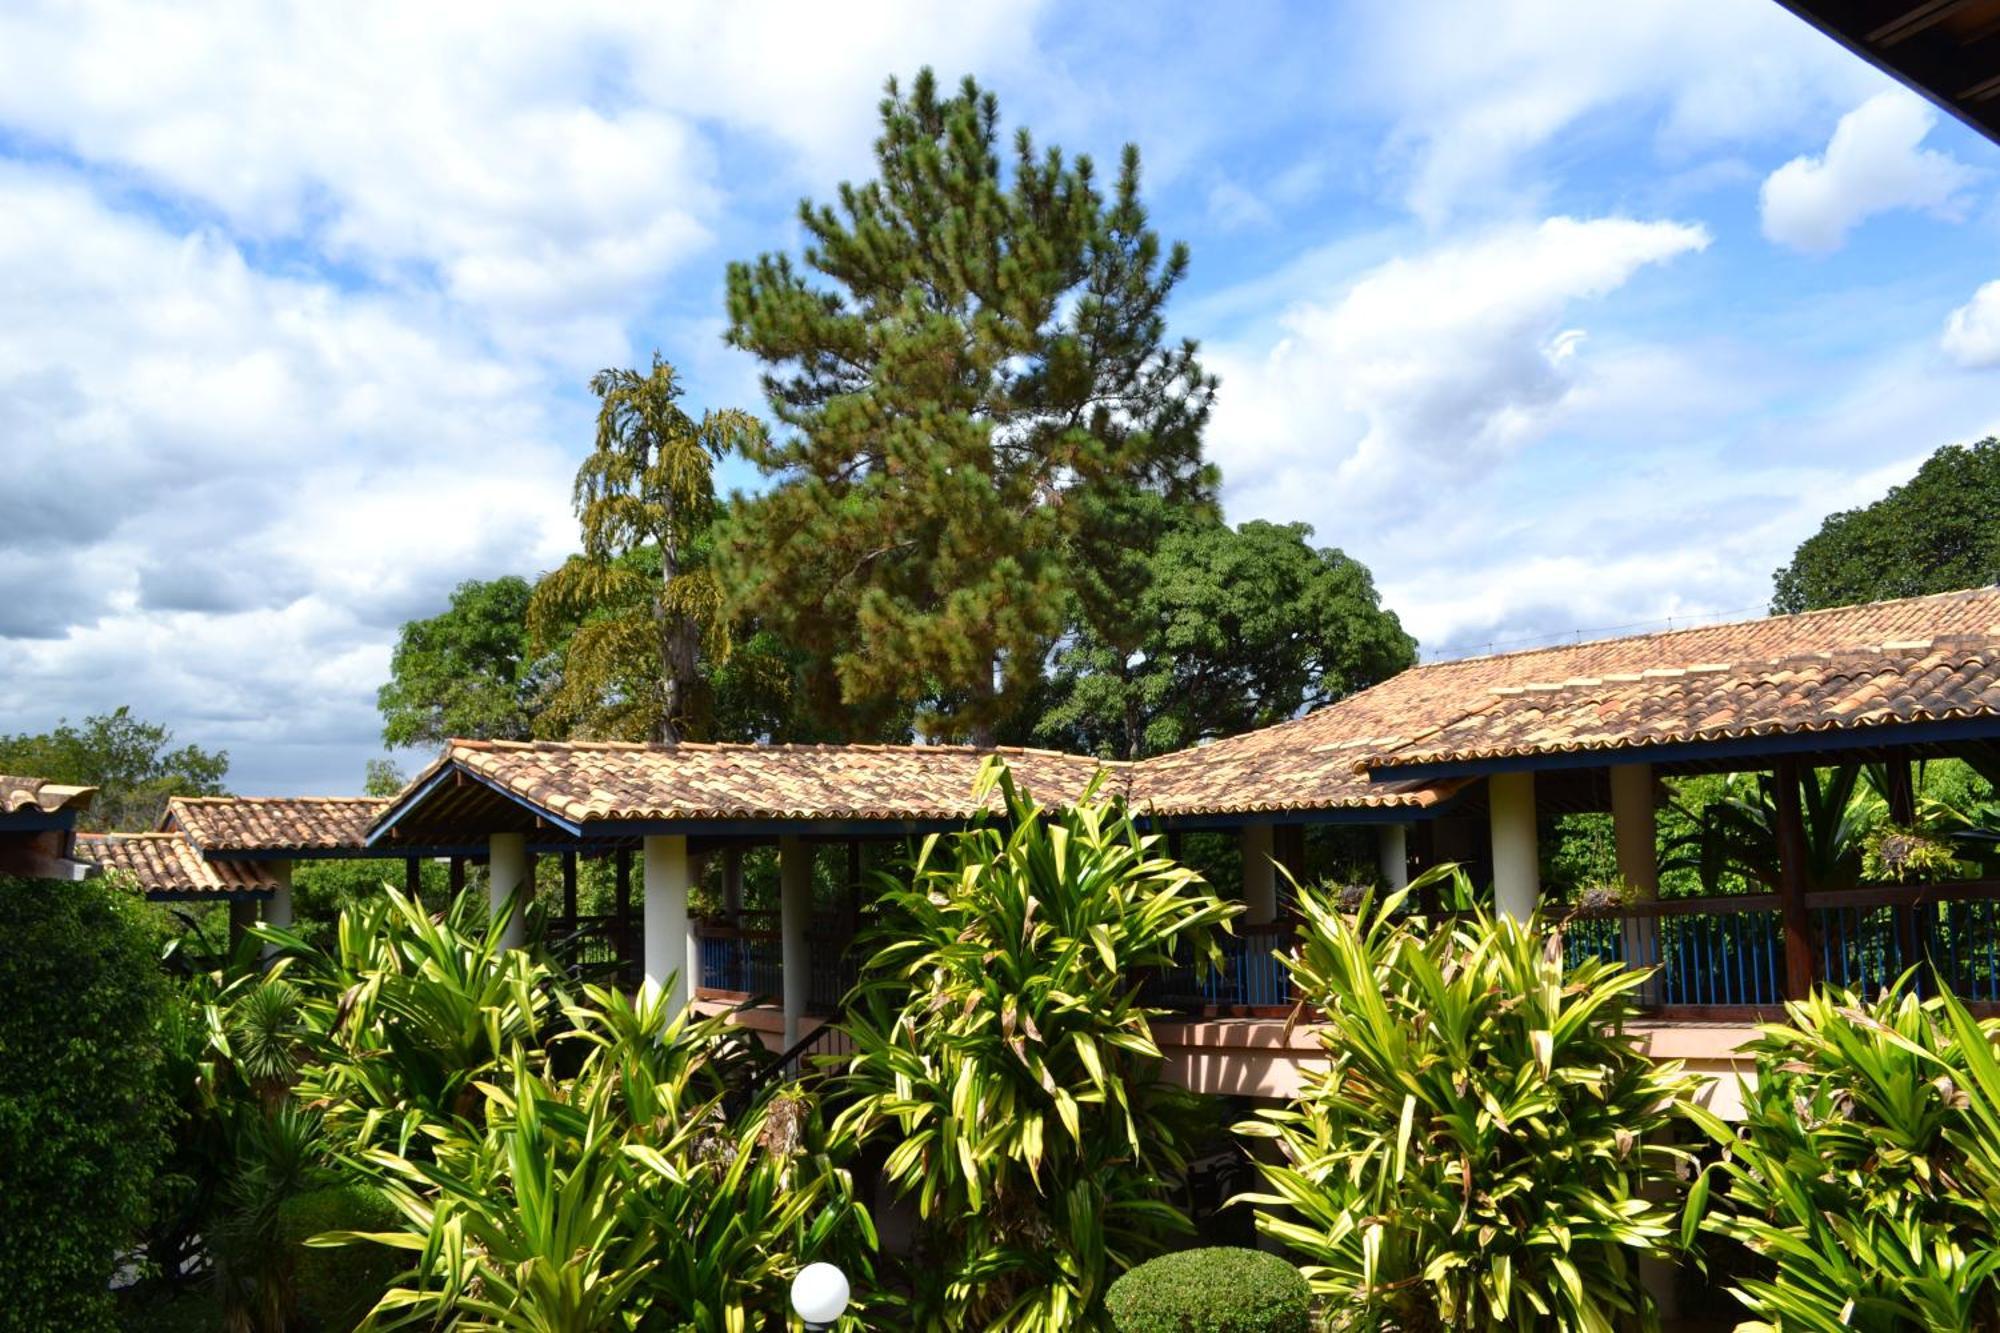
(642, 590)
(469, 671)
(1938, 532)
(383, 778)
(127, 760)
(1242, 627)
(987, 423)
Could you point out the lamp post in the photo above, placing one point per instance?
(819, 1295)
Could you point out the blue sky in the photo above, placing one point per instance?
(1560, 315)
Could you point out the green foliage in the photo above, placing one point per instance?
(1867, 1170)
(1221, 1290)
(1243, 627)
(469, 671)
(338, 1286)
(127, 760)
(987, 423)
(1891, 854)
(1937, 532)
(1733, 833)
(1004, 1060)
(646, 487)
(81, 1127)
(1487, 1148)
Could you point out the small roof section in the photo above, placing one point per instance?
(169, 868)
(272, 826)
(1945, 50)
(30, 797)
(1855, 692)
(617, 789)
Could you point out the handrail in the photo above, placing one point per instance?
(1861, 895)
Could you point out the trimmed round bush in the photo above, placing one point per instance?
(81, 1115)
(338, 1285)
(1219, 1290)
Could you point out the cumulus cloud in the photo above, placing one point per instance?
(1972, 332)
(1425, 372)
(1874, 163)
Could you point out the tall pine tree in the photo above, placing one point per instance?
(987, 426)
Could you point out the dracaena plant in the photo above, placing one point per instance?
(1867, 1169)
(1006, 1062)
(1487, 1147)
(626, 1197)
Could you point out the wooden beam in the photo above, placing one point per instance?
(1800, 956)
(624, 864)
(569, 887)
(457, 875)
(413, 877)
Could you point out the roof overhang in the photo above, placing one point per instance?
(1947, 51)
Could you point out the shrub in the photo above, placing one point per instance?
(1004, 1059)
(81, 998)
(1221, 1290)
(1867, 1169)
(1485, 1149)
(336, 1287)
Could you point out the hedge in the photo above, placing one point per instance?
(337, 1285)
(81, 1121)
(1220, 1290)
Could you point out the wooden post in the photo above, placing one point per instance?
(569, 888)
(1176, 844)
(626, 953)
(854, 884)
(1912, 943)
(1800, 970)
(413, 878)
(457, 875)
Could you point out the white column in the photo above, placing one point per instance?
(1632, 821)
(1510, 801)
(795, 901)
(732, 882)
(278, 908)
(1260, 875)
(670, 958)
(506, 871)
(1392, 856)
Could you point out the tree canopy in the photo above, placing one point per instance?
(986, 426)
(134, 765)
(1242, 627)
(642, 591)
(1938, 532)
(469, 671)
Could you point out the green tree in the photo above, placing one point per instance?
(987, 423)
(1242, 627)
(642, 590)
(468, 672)
(1938, 532)
(129, 761)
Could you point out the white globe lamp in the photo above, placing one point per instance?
(819, 1295)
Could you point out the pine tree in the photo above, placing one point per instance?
(987, 425)
(640, 593)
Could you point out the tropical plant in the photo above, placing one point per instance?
(1735, 832)
(1487, 1148)
(1867, 1169)
(625, 1197)
(1216, 1290)
(1005, 1059)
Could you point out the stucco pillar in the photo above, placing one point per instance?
(506, 872)
(732, 882)
(278, 907)
(671, 961)
(795, 901)
(1632, 822)
(1517, 884)
(1392, 856)
(1260, 875)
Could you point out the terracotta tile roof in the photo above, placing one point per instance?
(221, 824)
(167, 866)
(18, 794)
(1948, 678)
(586, 781)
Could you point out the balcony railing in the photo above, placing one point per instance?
(741, 964)
(1729, 954)
(1252, 980)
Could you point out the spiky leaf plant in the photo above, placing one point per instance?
(1487, 1147)
(1005, 1060)
(1867, 1170)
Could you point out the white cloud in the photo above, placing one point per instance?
(1972, 332)
(1425, 372)
(1874, 163)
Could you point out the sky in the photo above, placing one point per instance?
(1564, 317)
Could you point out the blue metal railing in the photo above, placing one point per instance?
(1251, 977)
